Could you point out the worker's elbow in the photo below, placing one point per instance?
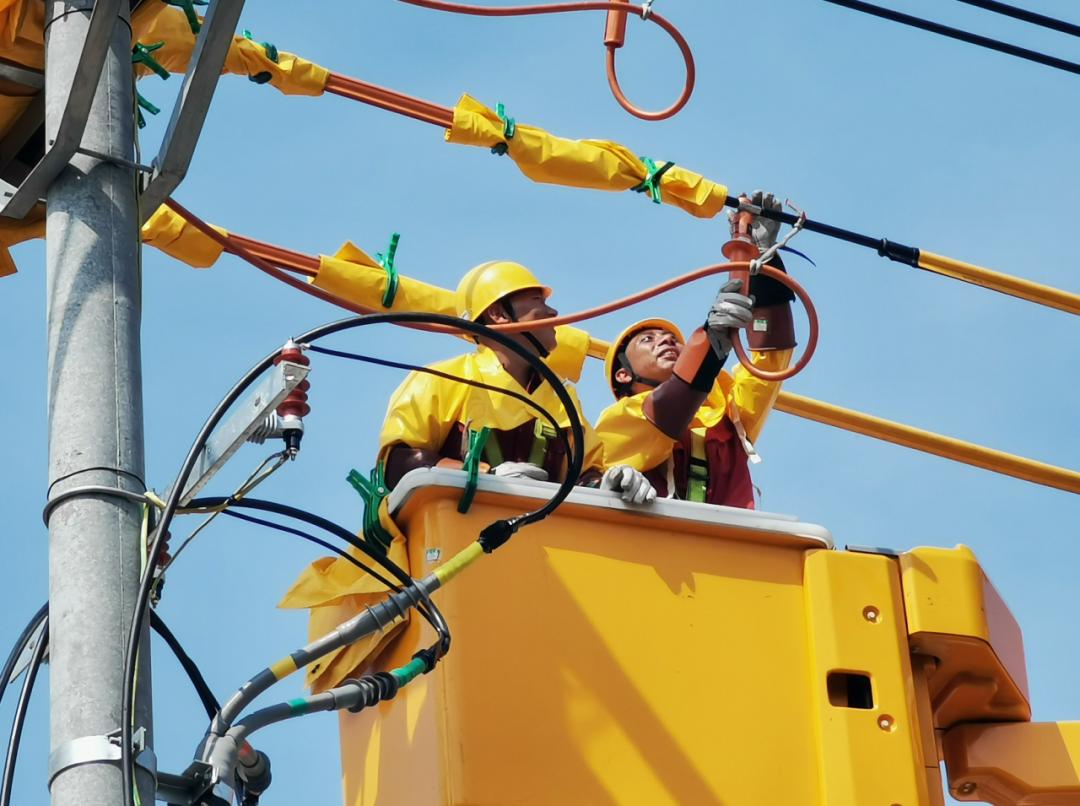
(402, 458)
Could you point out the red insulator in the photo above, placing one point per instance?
(296, 403)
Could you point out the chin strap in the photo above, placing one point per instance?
(624, 362)
(529, 337)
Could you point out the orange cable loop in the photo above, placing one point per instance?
(612, 43)
(263, 255)
(390, 100)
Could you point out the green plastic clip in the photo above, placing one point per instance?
(472, 466)
(144, 104)
(188, 7)
(270, 48)
(372, 490)
(141, 54)
(651, 183)
(509, 130)
(387, 262)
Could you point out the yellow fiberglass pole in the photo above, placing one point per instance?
(957, 450)
(997, 281)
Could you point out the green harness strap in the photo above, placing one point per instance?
(542, 436)
(697, 481)
(372, 490)
(477, 440)
(481, 445)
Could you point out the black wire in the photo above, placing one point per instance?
(434, 616)
(1026, 16)
(956, 33)
(331, 547)
(41, 618)
(438, 373)
(19, 720)
(318, 541)
(127, 765)
(20, 644)
(206, 696)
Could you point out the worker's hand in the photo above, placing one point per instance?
(520, 470)
(763, 230)
(633, 485)
(730, 310)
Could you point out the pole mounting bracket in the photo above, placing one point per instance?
(101, 749)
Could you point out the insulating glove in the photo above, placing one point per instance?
(520, 470)
(731, 309)
(633, 485)
(763, 230)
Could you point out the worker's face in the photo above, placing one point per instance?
(652, 353)
(528, 306)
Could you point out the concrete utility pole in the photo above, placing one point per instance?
(95, 418)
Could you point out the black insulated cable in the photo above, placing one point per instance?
(438, 373)
(961, 35)
(41, 620)
(17, 648)
(198, 682)
(432, 615)
(577, 457)
(1025, 15)
(21, 708)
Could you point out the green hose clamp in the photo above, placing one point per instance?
(144, 104)
(263, 76)
(270, 48)
(651, 183)
(387, 263)
(188, 7)
(477, 439)
(509, 130)
(372, 490)
(141, 54)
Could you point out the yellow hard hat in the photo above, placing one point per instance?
(486, 284)
(611, 364)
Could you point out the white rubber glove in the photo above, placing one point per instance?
(520, 470)
(633, 485)
(763, 230)
(730, 310)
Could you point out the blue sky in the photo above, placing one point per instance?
(885, 130)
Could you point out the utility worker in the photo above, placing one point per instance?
(430, 419)
(678, 418)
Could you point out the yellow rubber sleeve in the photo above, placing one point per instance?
(458, 563)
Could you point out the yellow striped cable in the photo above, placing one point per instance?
(283, 668)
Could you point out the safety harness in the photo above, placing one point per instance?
(483, 443)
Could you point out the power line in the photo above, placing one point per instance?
(1025, 15)
(957, 33)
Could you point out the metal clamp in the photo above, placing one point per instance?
(89, 489)
(100, 750)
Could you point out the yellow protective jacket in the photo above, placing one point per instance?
(433, 414)
(722, 434)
